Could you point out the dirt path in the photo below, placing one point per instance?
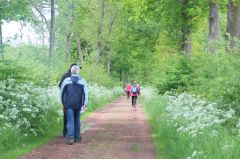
(114, 132)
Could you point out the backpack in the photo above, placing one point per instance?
(134, 90)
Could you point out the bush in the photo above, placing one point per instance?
(9, 70)
(26, 107)
(98, 75)
(175, 74)
(26, 110)
(214, 77)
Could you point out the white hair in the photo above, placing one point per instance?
(75, 69)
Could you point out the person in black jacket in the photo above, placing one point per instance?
(74, 96)
(67, 74)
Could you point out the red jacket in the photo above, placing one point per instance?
(138, 91)
(128, 88)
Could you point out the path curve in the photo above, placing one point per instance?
(113, 132)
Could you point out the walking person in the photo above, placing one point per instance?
(74, 95)
(67, 74)
(135, 92)
(128, 90)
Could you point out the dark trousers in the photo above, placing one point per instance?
(134, 101)
(128, 94)
(64, 123)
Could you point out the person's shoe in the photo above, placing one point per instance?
(70, 141)
(78, 139)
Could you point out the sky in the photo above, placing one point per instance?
(11, 34)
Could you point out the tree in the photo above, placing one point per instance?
(113, 17)
(213, 25)
(52, 29)
(233, 24)
(177, 20)
(186, 28)
(134, 37)
(12, 10)
(100, 31)
(1, 42)
(41, 23)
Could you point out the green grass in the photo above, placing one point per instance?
(160, 141)
(171, 144)
(136, 148)
(33, 142)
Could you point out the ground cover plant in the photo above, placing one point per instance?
(188, 126)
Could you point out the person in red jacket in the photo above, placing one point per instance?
(128, 90)
(135, 92)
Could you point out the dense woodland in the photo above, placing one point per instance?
(174, 46)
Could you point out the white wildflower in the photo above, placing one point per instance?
(192, 114)
(26, 110)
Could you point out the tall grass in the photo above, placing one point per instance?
(188, 127)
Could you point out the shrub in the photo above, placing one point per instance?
(175, 74)
(214, 77)
(26, 107)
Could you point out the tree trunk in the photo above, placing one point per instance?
(1, 43)
(68, 49)
(233, 24)
(43, 38)
(186, 41)
(52, 30)
(40, 13)
(21, 32)
(79, 48)
(125, 81)
(109, 64)
(99, 46)
(112, 21)
(100, 30)
(120, 75)
(213, 25)
(187, 45)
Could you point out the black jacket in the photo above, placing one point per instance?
(74, 92)
(66, 75)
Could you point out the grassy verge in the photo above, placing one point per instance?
(55, 131)
(215, 142)
(158, 137)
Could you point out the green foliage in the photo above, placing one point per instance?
(172, 74)
(20, 146)
(171, 143)
(8, 70)
(26, 111)
(214, 77)
(134, 43)
(9, 139)
(14, 10)
(34, 65)
(98, 75)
